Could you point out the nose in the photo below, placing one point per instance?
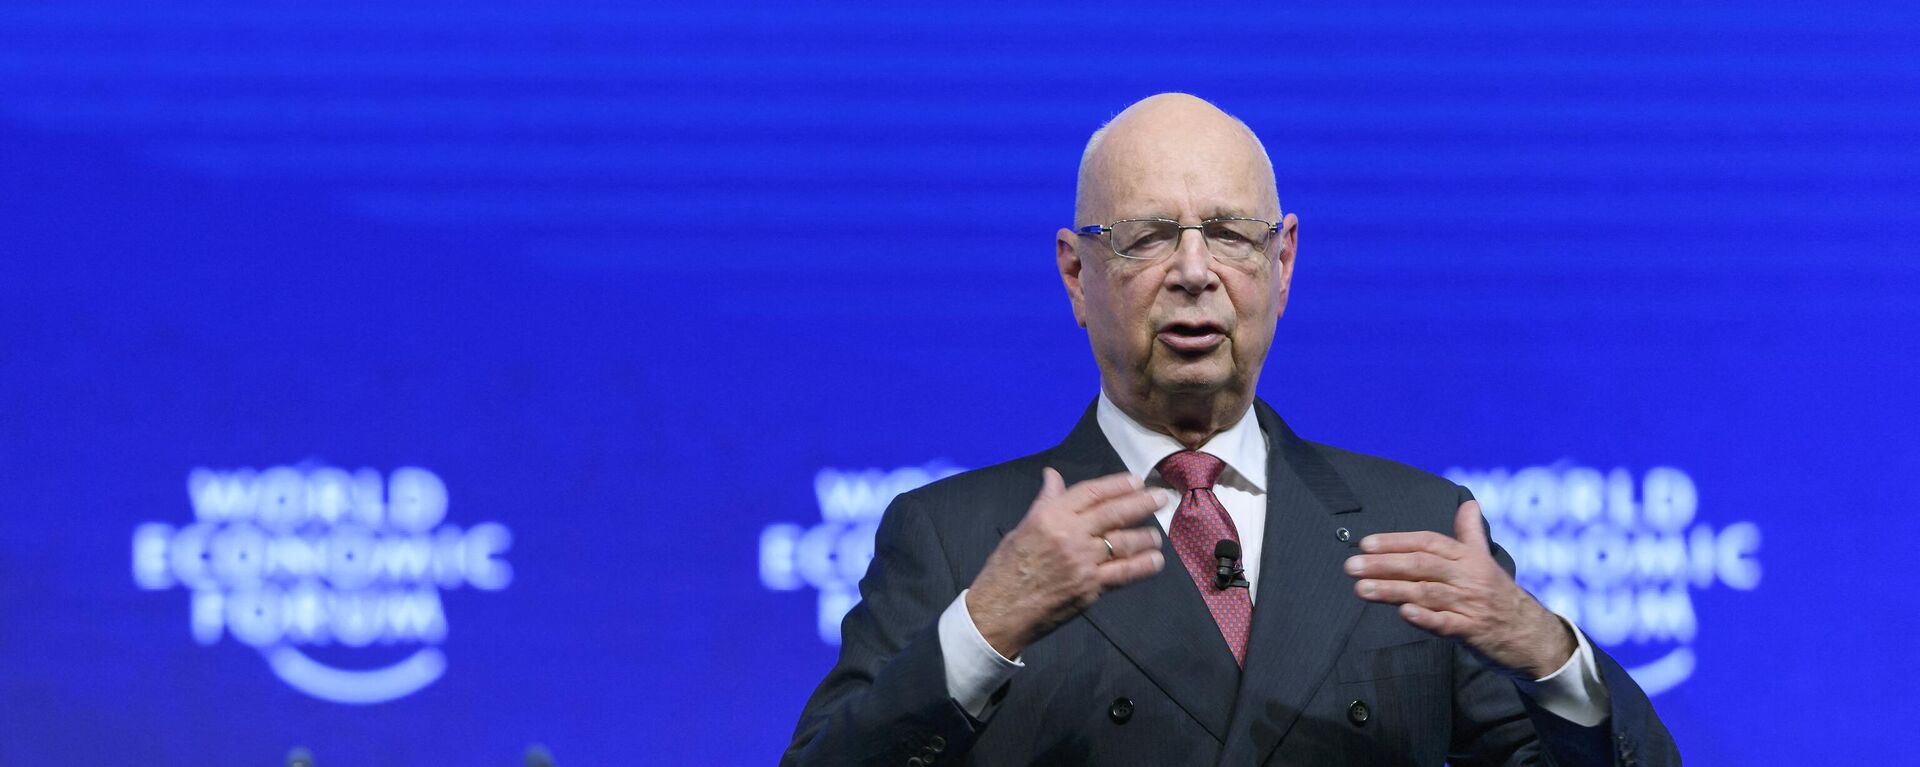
(1190, 268)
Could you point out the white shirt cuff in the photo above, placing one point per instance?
(1574, 692)
(974, 668)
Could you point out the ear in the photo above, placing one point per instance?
(1068, 260)
(1289, 248)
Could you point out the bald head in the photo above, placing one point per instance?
(1180, 336)
(1168, 126)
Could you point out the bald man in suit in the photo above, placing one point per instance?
(1184, 580)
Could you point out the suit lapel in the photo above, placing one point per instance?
(1159, 623)
(1306, 608)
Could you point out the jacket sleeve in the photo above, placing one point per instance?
(885, 702)
(1632, 736)
(1496, 724)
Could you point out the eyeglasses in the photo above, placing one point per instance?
(1151, 239)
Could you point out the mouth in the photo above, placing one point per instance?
(1192, 337)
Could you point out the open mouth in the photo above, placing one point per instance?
(1192, 337)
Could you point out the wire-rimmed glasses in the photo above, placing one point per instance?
(1230, 238)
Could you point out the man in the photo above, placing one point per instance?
(1096, 603)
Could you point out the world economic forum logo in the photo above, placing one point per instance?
(306, 561)
(831, 555)
(1622, 556)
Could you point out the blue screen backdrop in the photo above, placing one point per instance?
(415, 382)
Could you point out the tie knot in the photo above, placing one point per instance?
(1191, 470)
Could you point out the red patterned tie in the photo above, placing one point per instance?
(1198, 524)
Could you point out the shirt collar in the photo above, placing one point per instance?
(1241, 446)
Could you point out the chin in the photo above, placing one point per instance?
(1193, 379)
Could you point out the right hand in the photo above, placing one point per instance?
(1053, 564)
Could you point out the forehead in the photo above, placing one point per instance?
(1186, 170)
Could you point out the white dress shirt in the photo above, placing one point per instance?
(974, 669)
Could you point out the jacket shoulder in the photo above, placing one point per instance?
(968, 512)
(1374, 468)
(1383, 484)
(1017, 478)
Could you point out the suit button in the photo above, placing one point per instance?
(1121, 710)
(1342, 534)
(1357, 713)
(937, 744)
(915, 762)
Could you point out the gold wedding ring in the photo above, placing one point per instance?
(1103, 539)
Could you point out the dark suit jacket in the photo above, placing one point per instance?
(1143, 676)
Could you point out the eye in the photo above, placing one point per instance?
(1227, 234)
(1144, 234)
(1237, 231)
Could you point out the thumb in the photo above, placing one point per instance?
(1050, 483)
(1469, 528)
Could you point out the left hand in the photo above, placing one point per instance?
(1453, 587)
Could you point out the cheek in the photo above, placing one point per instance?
(1122, 302)
(1107, 326)
(1256, 309)
(1256, 297)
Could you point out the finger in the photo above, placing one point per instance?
(1410, 566)
(1121, 572)
(1123, 511)
(1085, 495)
(1424, 540)
(1131, 541)
(1441, 622)
(1470, 528)
(1429, 595)
(1050, 483)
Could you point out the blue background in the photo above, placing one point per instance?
(626, 276)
